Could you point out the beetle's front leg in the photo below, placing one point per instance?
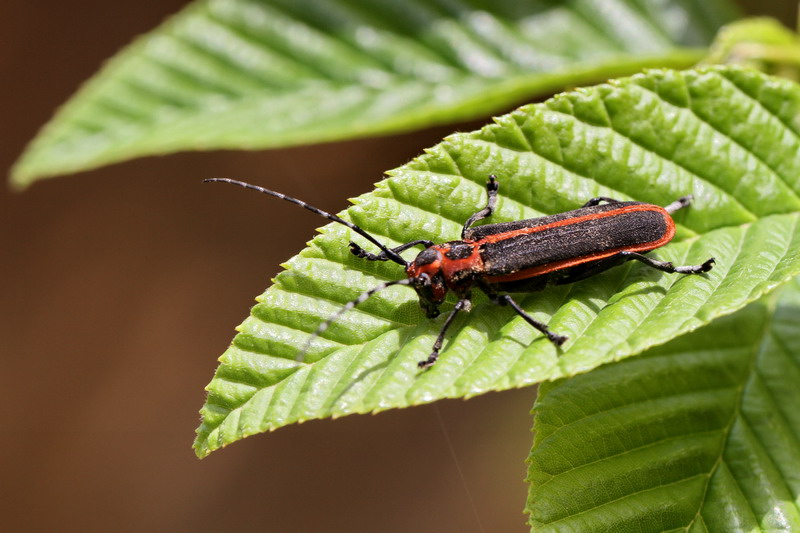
(360, 252)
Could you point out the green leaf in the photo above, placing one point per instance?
(701, 434)
(249, 74)
(729, 136)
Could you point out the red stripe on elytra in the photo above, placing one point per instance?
(575, 220)
(559, 265)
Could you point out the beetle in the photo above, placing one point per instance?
(519, 256)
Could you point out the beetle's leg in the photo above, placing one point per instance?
(666, 266)
(596, 201)
(491, 191)
(462, 305)
(505, 299)
(360, 252)
(680, 203)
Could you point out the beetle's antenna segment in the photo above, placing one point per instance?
(345, 308)
(394, 256)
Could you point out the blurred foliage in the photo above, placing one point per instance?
(249, 74)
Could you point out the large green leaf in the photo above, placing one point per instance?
(265, 73)
(701, 434)
(731, 137)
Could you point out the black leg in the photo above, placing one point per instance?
(680, 203)
(505, 299)
(360, 252)
(461, 305)
(666, 266)
(491, 192)
(596, 201)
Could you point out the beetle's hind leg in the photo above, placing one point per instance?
(680, 203)
(491, 191)
(666, 266)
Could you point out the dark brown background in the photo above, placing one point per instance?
(121, 286)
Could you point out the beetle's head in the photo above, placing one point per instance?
(425, 272)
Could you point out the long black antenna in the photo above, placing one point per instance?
(394, 256)
(346, 307)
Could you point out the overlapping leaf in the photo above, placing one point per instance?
(701, 434)
(264, 73)
(730, 137)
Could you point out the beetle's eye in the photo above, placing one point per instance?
(423, 280)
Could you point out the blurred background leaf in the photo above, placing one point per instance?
(248, 74)
(760, 42)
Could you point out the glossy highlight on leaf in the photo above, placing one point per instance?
(701, 434)
(730, 137)
(249, 74)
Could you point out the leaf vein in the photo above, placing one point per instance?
(772, 170)
(690, 172)
(628, 451)
(626, 496)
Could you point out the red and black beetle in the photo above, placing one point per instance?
(521, 256)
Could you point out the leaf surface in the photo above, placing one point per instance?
(248, 74)
(728, 136)
(700, 434)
